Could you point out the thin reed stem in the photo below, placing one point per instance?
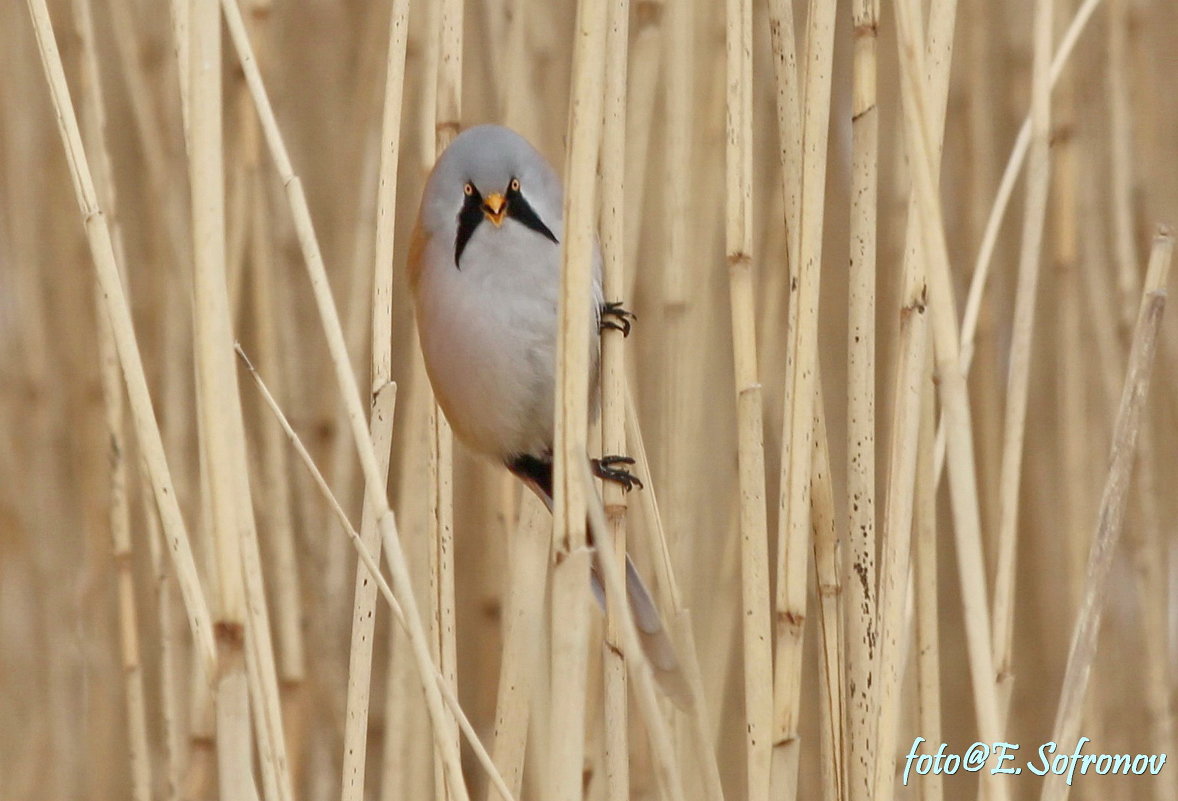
(381, 420)
(803, 404)
(920, 142)
(115, 302)
(861, 598)
(94, 119)
(370, 564)
(1112, 506)
(1019, 374)
(758, 665)
(570, 574)
(613, 388)
(374, 489)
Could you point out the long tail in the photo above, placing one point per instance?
(656, 642)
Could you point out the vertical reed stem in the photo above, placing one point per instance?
(758, 663)
(613, 387)
(861, 599)
(803, 405)
(381, 420)
(570, 611)
(1019, 375)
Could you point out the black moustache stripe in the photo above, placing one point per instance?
(518, 208)
(468, 220)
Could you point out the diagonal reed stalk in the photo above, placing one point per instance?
(94, 121)
(907, 414)
(370, 564)
(1112, 506)
(640, 670)
(374, 488)
(1018, 155)
(66, 619)
(147, 432)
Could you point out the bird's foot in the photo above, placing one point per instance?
(605, 469)
(614, 316)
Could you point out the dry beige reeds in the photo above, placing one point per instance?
(570, 573)
(1112, 505)
(750, 374)
(861, 531)
(114, 299)
(758, 666)
(94, 121)
(613, 388)
(803, 401)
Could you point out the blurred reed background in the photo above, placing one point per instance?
(190, 621)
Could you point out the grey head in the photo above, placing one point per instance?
(490, 175)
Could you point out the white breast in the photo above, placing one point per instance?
(488, 335)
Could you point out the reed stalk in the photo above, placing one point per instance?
(640, 670)
(828, 564)
(646, 64)
(278, 498)
(374, 489)
(381, 420)
(447, 123)
(1019, 374)
(803, 403)
(115, 303)
(613, 388)
(570, 573)
(527, 553)
(861, 598)
(928, 643)
(94, 120)
(221, 425)
(1112, 506)
(1121, 153)
(352, 95)
(1014, 165)
(920, 138)
(369, 562)
(758, 664)
(701, 743)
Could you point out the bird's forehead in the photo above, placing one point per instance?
(489, 156)
(490, 172)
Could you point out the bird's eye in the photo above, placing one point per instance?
(468, 189)
(515, 184)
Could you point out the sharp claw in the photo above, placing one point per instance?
(622, 315)
(607, 472)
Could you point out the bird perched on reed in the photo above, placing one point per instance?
(484, 267)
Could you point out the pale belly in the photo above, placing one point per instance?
(490, 359)
(488, 336)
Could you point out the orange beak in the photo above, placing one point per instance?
(495, 208)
